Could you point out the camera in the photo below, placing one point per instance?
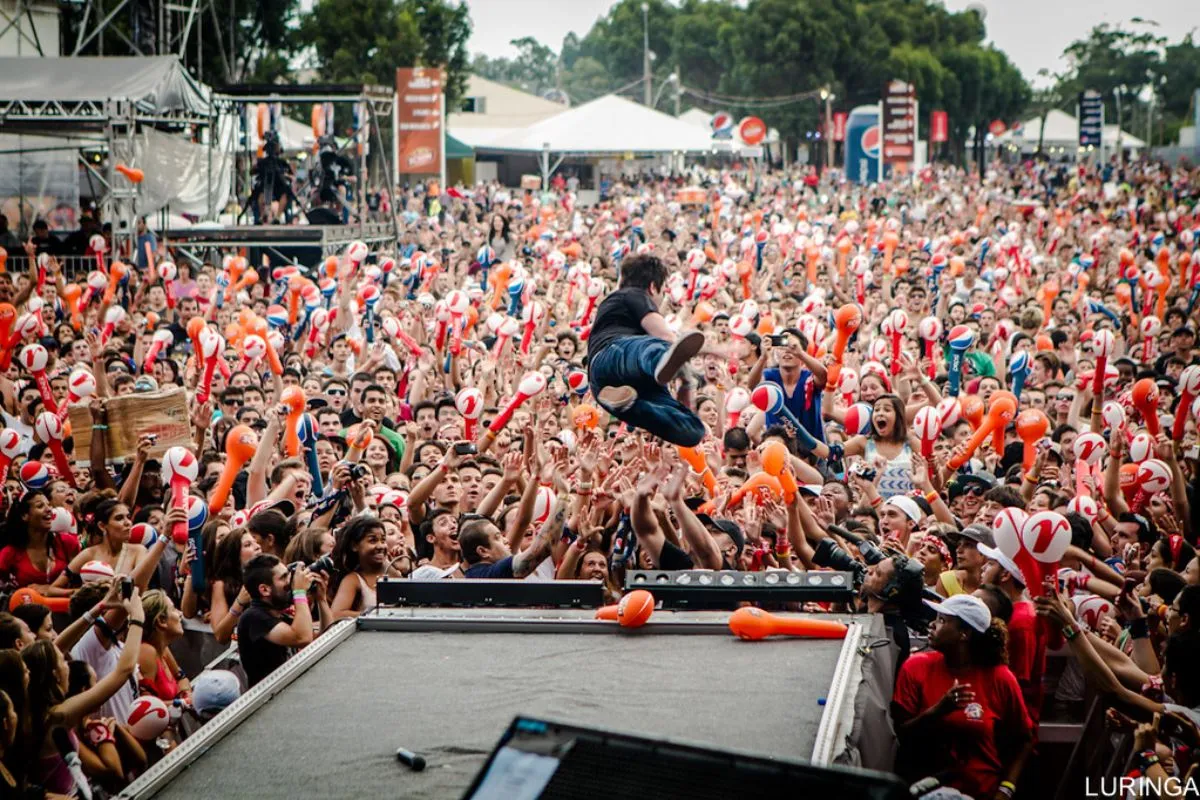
(357, 471)
(465, 449)
(126, 587)
(324, 564)
(860, 470)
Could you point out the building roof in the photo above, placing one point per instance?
(504, 107)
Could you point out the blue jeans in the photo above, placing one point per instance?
(631, 362)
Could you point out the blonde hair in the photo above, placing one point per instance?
(156, 604)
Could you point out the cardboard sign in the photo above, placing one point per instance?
(162, 413)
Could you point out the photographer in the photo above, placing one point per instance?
(331, 179)
(266, 633)
(273, 177)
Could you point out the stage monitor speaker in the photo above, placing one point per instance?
(502, 593)
(556, 761)
(714, 589)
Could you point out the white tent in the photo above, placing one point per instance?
(1062, 131)
(697, 117)
(605, 126)
(293, 135)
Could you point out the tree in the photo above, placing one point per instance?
(366, 40)
(245, 41)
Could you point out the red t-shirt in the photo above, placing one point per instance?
(964, 748)
(15, 562)
(1027, 643)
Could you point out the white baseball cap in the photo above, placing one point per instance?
(994, 554)
(908, 506)
(968, 608)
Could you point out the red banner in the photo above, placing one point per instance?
(419, 92)
(839, 126)
(939, 126)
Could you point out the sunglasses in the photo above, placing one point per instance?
(1064, 396)
(974, 491)
(336, 392)
(233, 403)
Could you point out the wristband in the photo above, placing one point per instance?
(1070, 632)
(444, 468)
(302, 600)
(139, 623)
(1146, 760)
(877, 501)
(235, 612)
(1138, 628)
(1007, 788)
(298, 593)
(930, 497)
(1029, 476)
(99, 427)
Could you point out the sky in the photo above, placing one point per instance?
(1032, 38)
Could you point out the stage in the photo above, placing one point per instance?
(303, 244)
(446, 683)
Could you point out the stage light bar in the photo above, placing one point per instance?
(727, 588)
(502, 593)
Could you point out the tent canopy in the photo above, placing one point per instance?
(1062, 129)
(609, 124)
(157, 85)
(457, 149)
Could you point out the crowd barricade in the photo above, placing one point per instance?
(74, 268)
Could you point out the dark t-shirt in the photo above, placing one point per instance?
(500, 569)
(673, 558)
(260, 657)
(620, 315)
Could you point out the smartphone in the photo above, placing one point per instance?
(465, 449)
(127, 587)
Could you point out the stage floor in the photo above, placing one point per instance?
(449, 695)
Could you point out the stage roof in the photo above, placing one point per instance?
(607, 125)
(158, 85)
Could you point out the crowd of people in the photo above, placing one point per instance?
(977, 395)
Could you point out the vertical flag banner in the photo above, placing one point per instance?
(939, 126)
(1091, 118)
(421, 127)
(839, 126)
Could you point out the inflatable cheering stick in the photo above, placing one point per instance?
(469, 402)
(999, 414)
(163, 338)
(846, 319)
(306, 430)
(961, 338)
(1145, 400)
(179, 471)
(292, 397)
(930, 331)
(34, 359)
(49, 429)
(80, 386)
(927, 424)
(531, 385)
(210, 350)
(1189, 390)
(10, 448)
(1032, 424)
(753, 624)
(240, 444)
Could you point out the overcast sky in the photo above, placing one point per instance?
(1032, 32)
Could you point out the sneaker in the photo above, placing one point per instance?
(677, 356)
(617, 398)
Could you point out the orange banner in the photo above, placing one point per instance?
(421, 123)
